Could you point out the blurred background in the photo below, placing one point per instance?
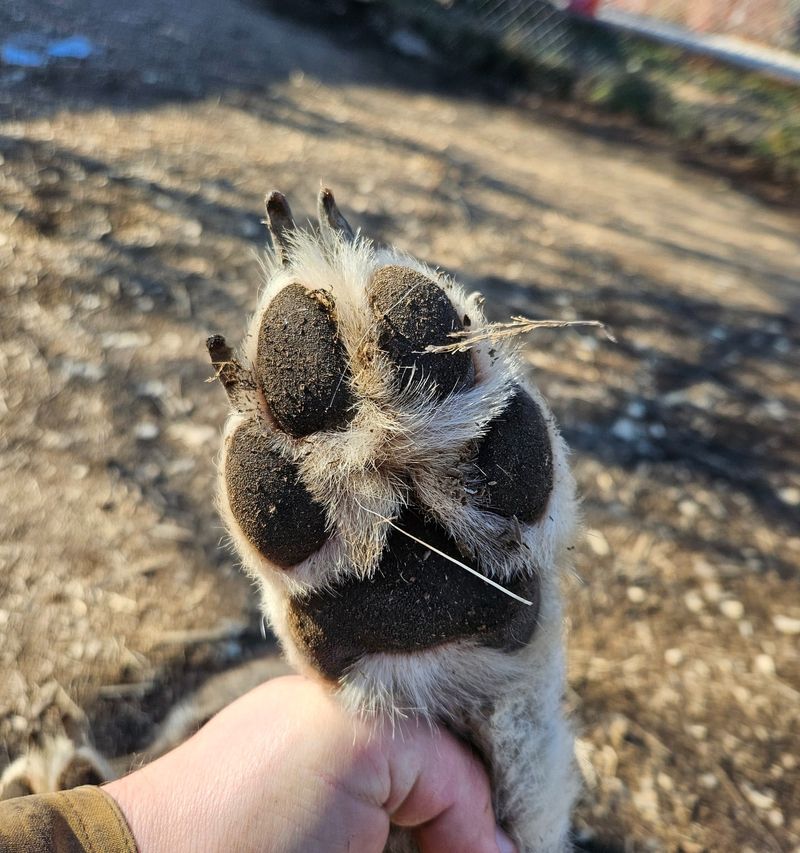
(630, 161)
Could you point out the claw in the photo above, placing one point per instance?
(280, 223)
(228, 370)
(331, 217)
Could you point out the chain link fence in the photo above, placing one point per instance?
(769, 22)
(720, 75)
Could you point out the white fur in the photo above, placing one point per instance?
(41, 769)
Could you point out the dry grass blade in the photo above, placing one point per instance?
(512, 329)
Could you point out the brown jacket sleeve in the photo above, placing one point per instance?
(83, 820)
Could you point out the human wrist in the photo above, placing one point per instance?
(160, 817)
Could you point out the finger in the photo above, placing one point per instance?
(441, 791)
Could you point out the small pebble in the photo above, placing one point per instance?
(673, 657)
(146, 431)
(786, 624)
(192, 435)
(154, 388)
(704, 569)
(125, 340)
(635, 409)
(192, 229)
(741, 694)
(765, 665)
(775, 817)
(665, 782)
(790, 495)
(732, 608)
(625, 430)
(636, 594)
(775, 409)
(598, 543)
(409, 44)
(756, 798)
(693, 601)
(82, 370)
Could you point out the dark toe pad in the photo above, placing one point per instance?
(269, 501)
(516, 461)
(413, 313)
(302, 365)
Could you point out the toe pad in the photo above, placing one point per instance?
(413, 313)
(515, 461)
(269, 501)
(302, 365)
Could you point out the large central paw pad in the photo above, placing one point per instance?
(371, 472)
(416, 599)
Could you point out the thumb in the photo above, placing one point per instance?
(440, 790)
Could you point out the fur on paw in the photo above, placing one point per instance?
(56, 764)
(362, 473)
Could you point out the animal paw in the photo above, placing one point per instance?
(393, 482)
(56, 764)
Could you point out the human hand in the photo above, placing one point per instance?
(285, 769)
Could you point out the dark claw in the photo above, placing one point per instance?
(331, 216)
(229, 372)
(280, 224)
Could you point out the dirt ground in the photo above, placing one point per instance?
(131, 191)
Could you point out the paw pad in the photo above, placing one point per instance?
(301, 363)
(414, 313)
(516, 462)
(415, 599)
(269, 501)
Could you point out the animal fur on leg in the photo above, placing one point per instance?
(404, 510)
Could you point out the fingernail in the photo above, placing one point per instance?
(504, 843)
